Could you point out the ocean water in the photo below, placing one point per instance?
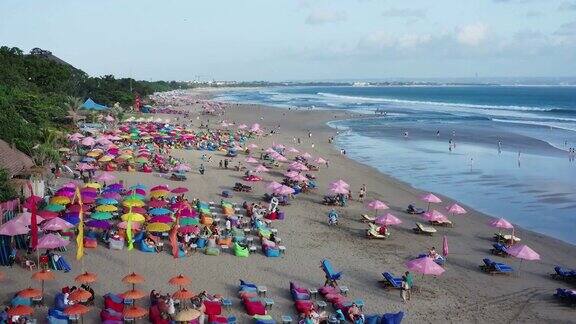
(509, 154)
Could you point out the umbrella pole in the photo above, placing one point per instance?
(428, 209)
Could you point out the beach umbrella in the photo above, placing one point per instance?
(183, 294)
(251, 160)
(376, 205)
(94, 185)
(189, 229)
(187, 315)
(84, 167)
(500, 223)
(456, 209)
(60, 200)
(339, 183)
(255, 128)
(134, 196)
(138, 186)
(88, 141)
(159, 193)
(77, 310)
(52, 241)
(387, 219)
(291, 174)
(180, 280)
(65, 193)
(279, 146)
(20, 310)
(137, 210)
(133, 203)
(56, 224)
(134, 294)
(101, 215)
(133, 279)
(161, 219)
(292, 150)
(188, 221)
(105, 158)
(445, 246)
(261, 168)
(297, 166)
(133, 217)
(434, 216)
(160, 187)
(134, 312)
(306, 155)
(242, 126)
(54, 208)
(320, 160)
(73, 219)
(86, 278)
(74, 209)
(181, 168)
(430, 198)
(179, 190)
(80, 295)
(43, 275)
(100, 224)
(25, 219)
(158, 227)
(159, 211)
(339, 190)
(12, 228)
(252, 146)
(425, 266)
(30, 293)
(107, 201)
(112, 195)
(124, 225)
(280, 157)
(157, 203)
(107, 208)
(299, 177)
(284, 190)
(47, 215)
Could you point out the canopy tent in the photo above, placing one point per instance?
(89, 104)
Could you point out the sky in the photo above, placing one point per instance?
(299, 39)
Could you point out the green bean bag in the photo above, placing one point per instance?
(240, 251)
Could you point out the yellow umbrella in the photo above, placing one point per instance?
(134, 217)
(60, 200)
(93, 154)
(107, 208)
(159, 193)
(133, 203)
(94, 185)
(105, 158)
(158, 227)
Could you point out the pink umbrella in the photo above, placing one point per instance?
(306, 155)
(425, 266)
(339, 190)
(298, 166)
(109, 118)
(12, 228)
(181, 167)
(179, 190)
(445, 246)
(270, 150)
(284, 190)
(88, 141)
(84, 167)
(320, 160)
(56, 224)
(280, 158)
(273, 186)
(189, 229)
(105, 177)
(155, 203)
(261, 168)
(500, 223)
(52, 241)
(135, 225)
(456, 209)
(430, 198)
(291, 174)
(435, 216)
(387, 219)
(377, 205)
(299, 177)
(161, 219)
(279, 146)
(292, 150)
(26, 219)
(242, 126)
(523, 252)
(251, 160)
(340, 182)
(255, 127)
(252, 146)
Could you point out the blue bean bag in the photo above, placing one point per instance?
(272, 252)
(142, 246)
(201, 243)
(56, 316)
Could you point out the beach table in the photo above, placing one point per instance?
(286, 319)
(253, 249)
(282, 249)
(227, 303)
(269, 302)
(344, 290)
(262, 290)
(314, 293)
(321, 304)
(274, 230)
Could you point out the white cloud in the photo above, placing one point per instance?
(472, 34)
(404, 13)
(567, 6)
(383, 39)
(324, 16)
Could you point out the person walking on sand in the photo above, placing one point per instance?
(409, 284)
(404, 289)
(362, 193)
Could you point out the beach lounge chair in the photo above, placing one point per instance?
(566, 295)
(424, 229)
(390, 281)
(565, 274)
(492, 267)
(499, 237)
(298, 292)
(367, 219)
(331, 275)
(374, 232)
(392, 318)
(445, 223)
(499, 249)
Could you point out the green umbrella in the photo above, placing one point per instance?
(101, 215)
(141, 160)
(134, 196)
(189, 221)
(55, 208)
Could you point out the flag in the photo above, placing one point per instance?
(33, 221)
(80, 236)
(129, 232)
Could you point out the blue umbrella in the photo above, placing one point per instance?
(88, 159)
(107, 201)
(159, 211)
(138, 186)
(72, 219)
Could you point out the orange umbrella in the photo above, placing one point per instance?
(20, 310)
(183, 294)
(134, 312)
(86, 278)
(80, 295)
(134, 294)
(133, 278)
(180, 280)
(43, 275)
(30, 293)
(76, 310)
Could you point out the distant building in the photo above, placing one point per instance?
(14, 161)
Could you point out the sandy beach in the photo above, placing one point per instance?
(463, 294)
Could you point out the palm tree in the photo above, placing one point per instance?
(73, 105)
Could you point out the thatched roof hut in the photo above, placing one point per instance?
(14, 161)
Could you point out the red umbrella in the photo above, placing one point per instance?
(179, 190)
(157, 203)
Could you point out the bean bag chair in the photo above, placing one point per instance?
(212, 308)
(212, 251)
(264, 319)
(110, 315)
(248, 294)
(272, 252)
(20, 301)
(62, 265)
(247, 284)
(225, 241)
(59, 302)
(272, 216)
(240, 251)
(264, 233)
(328, 290)
(142, 246)
(114, 302)
(56, 316)
(154, 316)
(372, 319)
(217, 319)
(393, 318)
(206, 220)
(90, 243)
(254, 307)
(201, 243)
(139, 236)
(303, 306)
(298, 292)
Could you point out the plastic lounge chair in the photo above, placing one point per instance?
(367, 219)
(374, 232)
(390, 281)
(564, 274)
(329, 271)
(424, 229)
(499, 249)
(446, 223)
(492, 267)
(499, 237)
(565, 295)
